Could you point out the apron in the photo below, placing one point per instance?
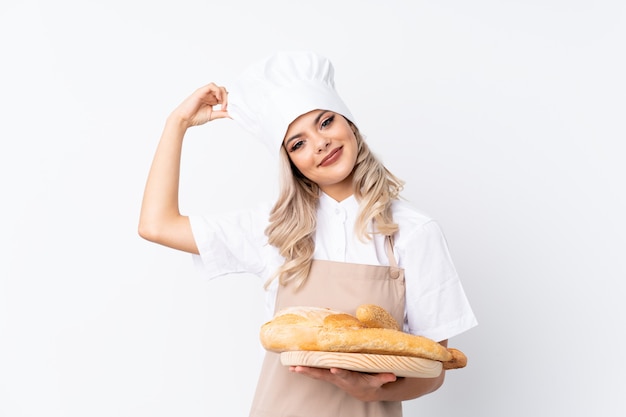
(341, 286)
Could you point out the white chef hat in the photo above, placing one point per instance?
(273, 92)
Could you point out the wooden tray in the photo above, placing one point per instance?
(406, 366)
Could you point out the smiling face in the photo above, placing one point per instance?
(323, 146)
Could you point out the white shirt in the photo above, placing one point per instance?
(436, 304)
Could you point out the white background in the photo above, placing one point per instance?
(506, 119)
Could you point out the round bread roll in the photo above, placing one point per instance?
(376, 316)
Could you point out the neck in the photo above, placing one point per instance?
(339, 191)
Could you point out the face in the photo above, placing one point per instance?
(322, 145)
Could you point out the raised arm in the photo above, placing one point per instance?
(160, 220)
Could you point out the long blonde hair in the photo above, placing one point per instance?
(293, 218)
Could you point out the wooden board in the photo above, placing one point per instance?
(364, 362)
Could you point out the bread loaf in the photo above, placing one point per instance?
(372, 331)
(294, 328)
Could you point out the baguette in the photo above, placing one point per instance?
(381, 342)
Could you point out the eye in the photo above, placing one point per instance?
(297, 145)
(328, 121)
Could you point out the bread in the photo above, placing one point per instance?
(372, 331)
(382, 342)
(294, 328)
(376, 316)
(459, 360)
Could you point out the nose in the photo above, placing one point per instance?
(322, 144)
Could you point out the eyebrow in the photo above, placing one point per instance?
(315, 122)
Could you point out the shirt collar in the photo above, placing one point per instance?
(327, 203)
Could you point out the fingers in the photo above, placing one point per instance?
(316, 373)
(208, 97)
(213, 94)
(336, 375)
(340, 373)
(224, 98)
(360, 385)
(200, 107)
(219, 114)
(221, 97)
(372, 379)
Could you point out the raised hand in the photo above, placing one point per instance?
(199, 107)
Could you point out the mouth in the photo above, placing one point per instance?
(331, 157)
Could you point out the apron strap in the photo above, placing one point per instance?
(389, 250)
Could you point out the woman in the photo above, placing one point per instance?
(338, 236)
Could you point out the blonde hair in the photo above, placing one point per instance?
(293, 218)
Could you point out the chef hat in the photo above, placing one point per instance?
(273, 92)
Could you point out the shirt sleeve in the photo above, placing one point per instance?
(232, 243)
(436, 304)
